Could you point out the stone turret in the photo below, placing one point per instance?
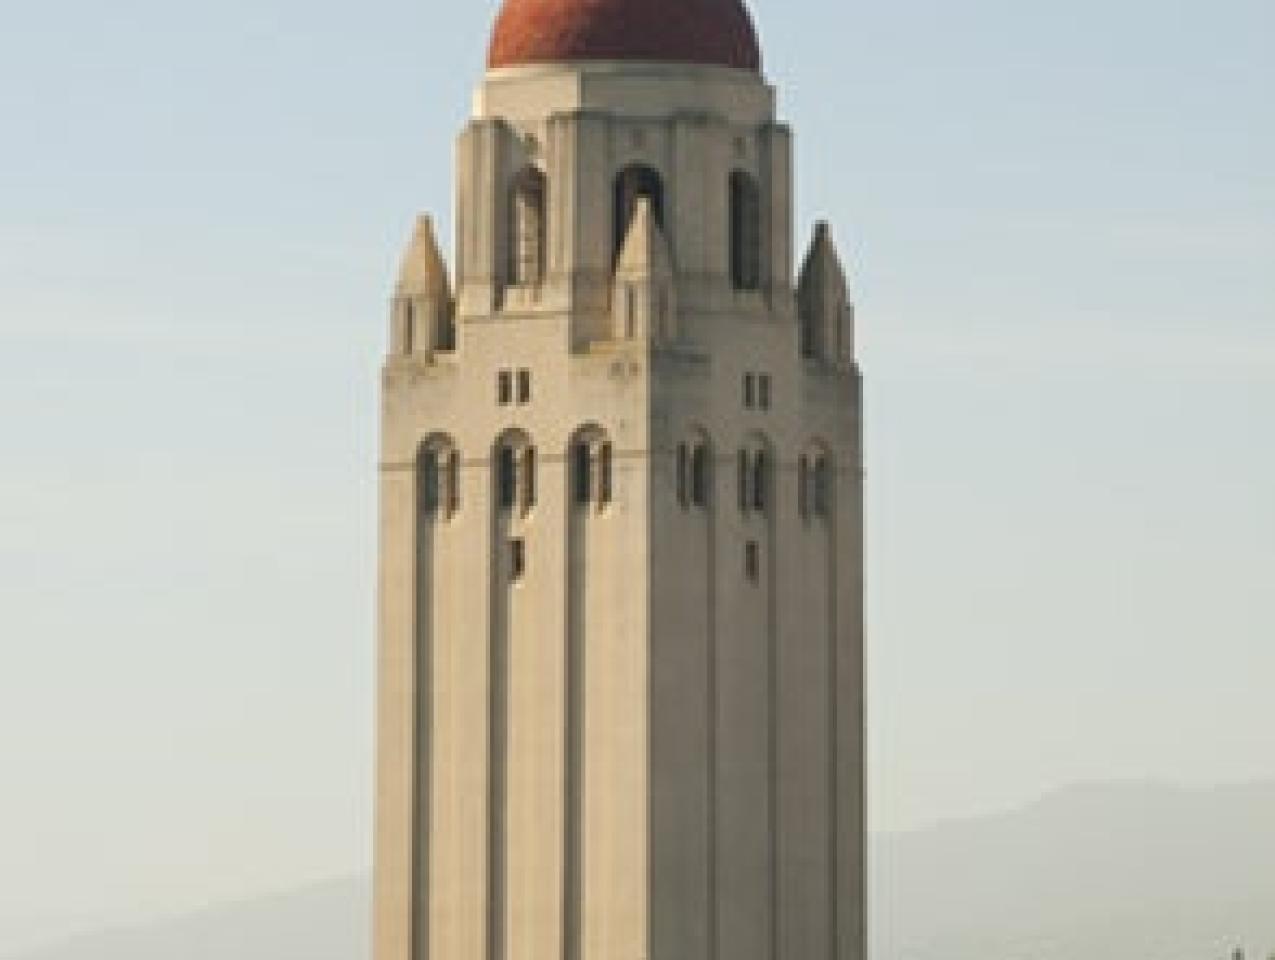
(823, 302)
(421, 321)
(643, 300)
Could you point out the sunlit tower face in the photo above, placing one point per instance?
(620, 710)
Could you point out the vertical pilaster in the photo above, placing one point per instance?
(535, 681)
(585, 164)
(776, 171)
(482, 176)
(850, 814)
(396, 837)
(745, 725)
(681, 712)
(461, 734)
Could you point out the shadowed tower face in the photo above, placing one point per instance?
(620, 706)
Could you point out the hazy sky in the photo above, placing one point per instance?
(1061, 224)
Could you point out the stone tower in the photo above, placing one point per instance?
(621, 689)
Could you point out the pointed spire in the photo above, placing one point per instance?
(645, 251)
(823, 301)
(422, 317)
(643, 299)
(423, 273)
(822, 265)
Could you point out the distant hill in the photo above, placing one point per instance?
(325, 921)
(1105, 872)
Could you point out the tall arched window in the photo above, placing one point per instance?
(515, 469)
(823, 486)
(507, 478)
(761, 481)
(429, 481)
(438, 477)
(529, 478)
(604, 473)
(803, 486)
(631, 183)
(745, 232)
(581, 473)
(755, 476)
(701, 474)
(683, 475)
(527, 228)
(592, 466)
(453, 482)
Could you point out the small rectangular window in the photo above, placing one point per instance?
(504, 388)
(745, 499)
(524, 386)
(749, 388)
(763, 391)
(517, 559)
(752, 561)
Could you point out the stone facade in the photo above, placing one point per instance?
(620, 705)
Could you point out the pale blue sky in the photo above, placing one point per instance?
(1061, 224)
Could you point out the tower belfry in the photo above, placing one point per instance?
(620, 711)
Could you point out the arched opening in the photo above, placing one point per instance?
(803, 486)
(745, 232)
(815, 481)
(761, 481)
(701, 474)
(694, 471)
(756, 476)
(529, 478)
(507, 478)
(591, 459)
(527, 228)
(683, 475)
(438, 478)
(515, 474)
(581, 473)
(429, 482)
(631, 184)
(822, 486)
(453, 481)
(604, 473)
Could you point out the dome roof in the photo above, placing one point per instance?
(712, 32)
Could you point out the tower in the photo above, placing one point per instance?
(620, 709)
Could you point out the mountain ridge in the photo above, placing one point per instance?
(1126, 870)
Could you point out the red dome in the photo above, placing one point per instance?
(714, 32)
